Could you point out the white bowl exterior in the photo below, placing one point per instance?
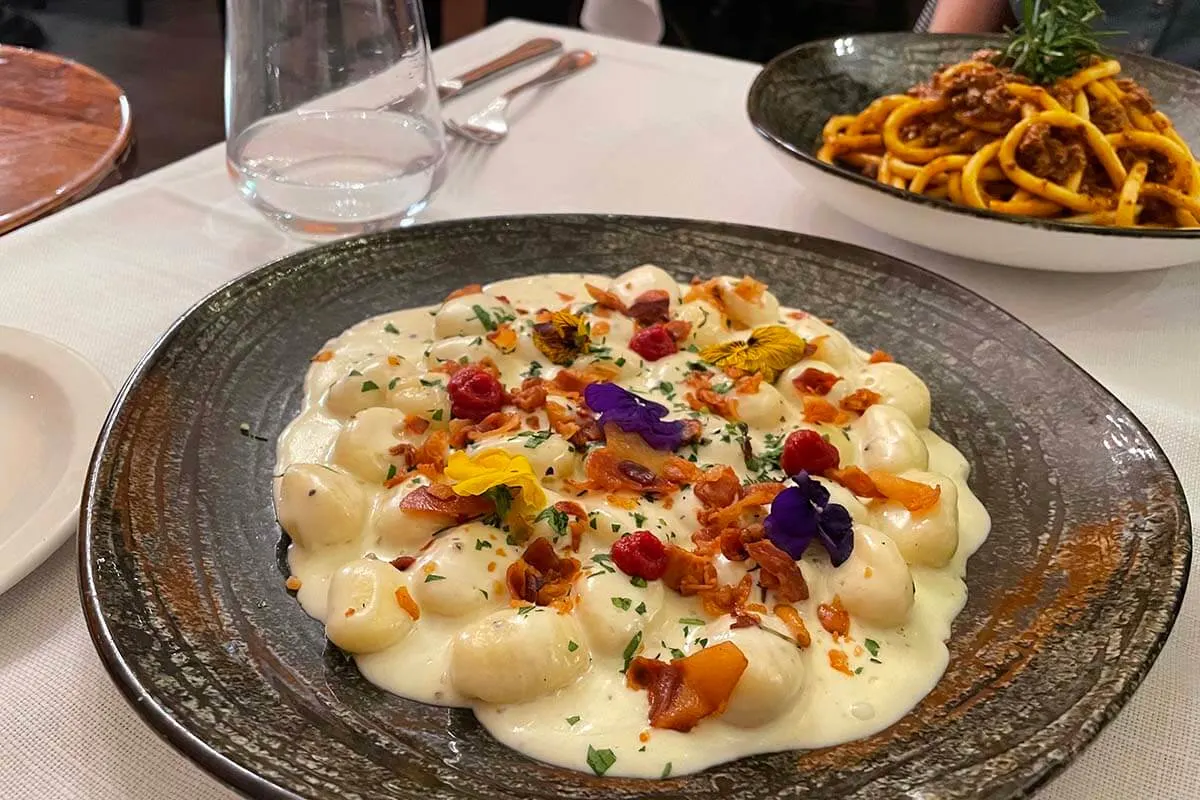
(997, 241)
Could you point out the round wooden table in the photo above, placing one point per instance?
(63, 129)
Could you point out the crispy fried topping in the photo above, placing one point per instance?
(688, 573)
(405, 601)
(540, 576)
(323, 356)
(818, 409)
(915, 496)
(649, 307)
(778, 572)
(504, 338)
(688, 689)
(859, 400)
(880, 357)
(790, 617)
(435, 500)
(854, 479)
(469, 289)
(834, 618)
(815, 381)
(605, 298)
(718, 487)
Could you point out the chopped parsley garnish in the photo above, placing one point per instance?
(666, 773)
(604, 560)
(433, 576)
(480, 544)
(535, 438)
(872, 647)
(535, 369)
(557, 520)
(436, 414)
(525, 610)
(355, 373)
(485, 319)
(622, 603)
(391, 473)
(484, 593)
(600, 760)
(631, 650)
(390, 328)
(638, 581)
(502, 496)
(573, 719)
(616, 527)
(369, 386)
(641, 608)
(392, 383)
(639, 519)
(430, 383)
(592, 520)
(677, 653)
(572, 646)
(691, 621)
(858, 670)
(620, 362)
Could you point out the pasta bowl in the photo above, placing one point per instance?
(797, 92)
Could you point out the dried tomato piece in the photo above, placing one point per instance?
(651, 306)
(475, 393)
(641, 555)
(653, 343)
(807, 451)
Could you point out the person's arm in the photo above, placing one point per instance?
(968, 16)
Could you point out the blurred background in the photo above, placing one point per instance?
(168, 54)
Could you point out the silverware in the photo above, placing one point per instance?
(530, 51)
(489, 126)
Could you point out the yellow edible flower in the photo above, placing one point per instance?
(562, 338)
(488, 469)
(768, 351)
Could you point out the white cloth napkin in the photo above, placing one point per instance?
(636, 20)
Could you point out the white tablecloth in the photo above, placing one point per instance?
(647, 131)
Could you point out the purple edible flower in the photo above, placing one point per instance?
(802, 513)
(633, 414)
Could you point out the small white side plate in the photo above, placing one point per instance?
(52, 404)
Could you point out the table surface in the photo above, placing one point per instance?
(647, 131)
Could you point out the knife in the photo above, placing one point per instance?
(530, 51)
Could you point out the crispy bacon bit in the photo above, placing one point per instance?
(840, 662)
(405, 601)
(627, 502)
(778, 571)
(606, 472)
(566, 298)
(709, 291)
(504, 338)
(834, 618)
(754, 498)
(433, 500)
(429, 457)
(578, 520)
(503, 298)
(749, 289)
(703, 398)
(680, 472)
(679, 329)
(635, 472)
(415, 424)
(688, 573)
(727, 599)
(494, 425)
(323, 356)
(540, 576)
(292, 583)
(818, 409)
(531, 396)
(718, 487)
(917, 497)
(605, 298)
(854, 479)
(815, 381)
(469, 289)
(562, 421)
(649, 307)
(790, 617)
(402, 562)
(859, 400)
(880, 357)
(688, 689)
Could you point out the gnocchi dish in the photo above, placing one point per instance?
(638, 527)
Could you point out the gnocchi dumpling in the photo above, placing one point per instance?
(764, 409)
(463, 349)
(929, 538)
(612, 610)
(708, 324)
(516, 655)
(889, 441)
(628, 286)
(874, 583)
(451, 578)
(365, 386)
(319, 506)
(422, 396)
(466, 315)
(832, 345)
(363, 445)
(773, 681)
(748, 302)
(898, 387)
(400, 530)
(364, 615)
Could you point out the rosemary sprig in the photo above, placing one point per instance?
(1054, 39)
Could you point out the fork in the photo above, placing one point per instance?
(490, 126)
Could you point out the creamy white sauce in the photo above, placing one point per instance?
(575, 696)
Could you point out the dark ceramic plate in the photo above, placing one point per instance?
(797, 92)
(182, 566)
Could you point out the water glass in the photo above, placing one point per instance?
(332, 120)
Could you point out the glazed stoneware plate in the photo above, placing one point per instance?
(182, 563)
(797, 92)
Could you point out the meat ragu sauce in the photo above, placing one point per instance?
(1070, 168)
